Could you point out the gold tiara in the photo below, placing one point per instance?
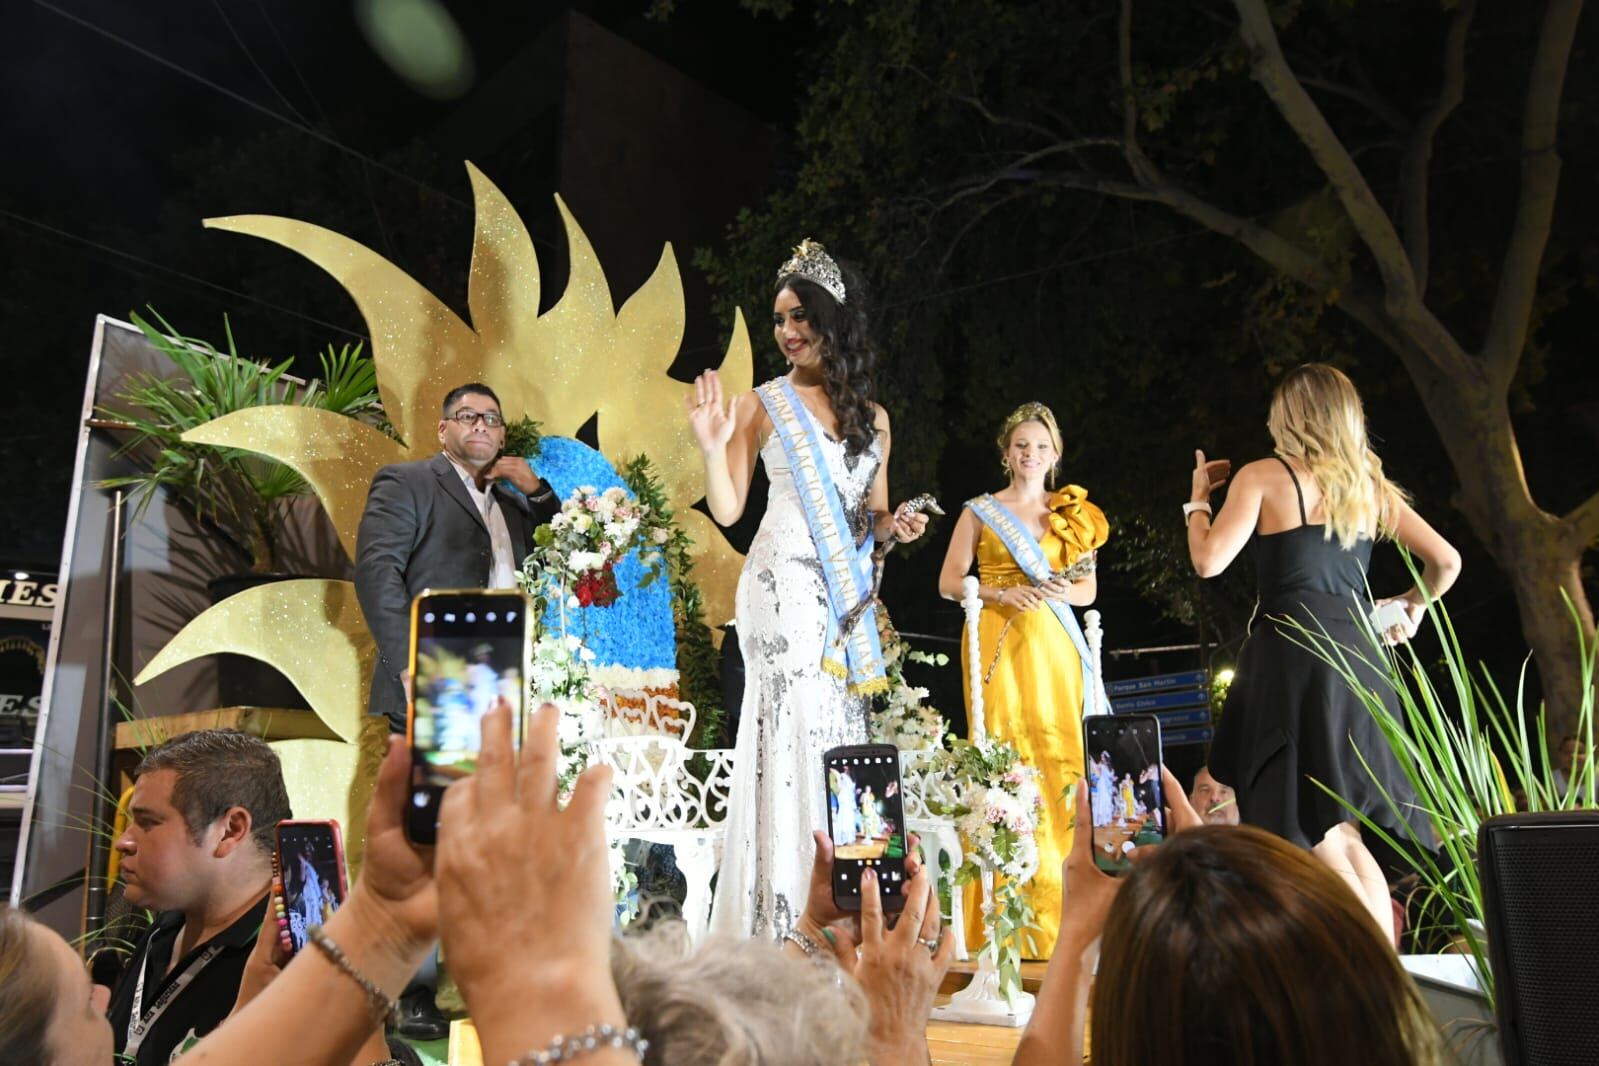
(811, 262)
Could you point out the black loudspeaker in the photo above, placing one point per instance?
(1540, 883)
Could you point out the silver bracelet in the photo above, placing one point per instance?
(594, 1038)
(803, 942)
(384, 1009)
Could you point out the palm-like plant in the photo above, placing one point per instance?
(1466, 751)
(240, 494)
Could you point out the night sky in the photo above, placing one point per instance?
(111, 146)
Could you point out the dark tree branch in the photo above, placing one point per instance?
(976, 104)
(966, 227)
(1142, 168)
(1414, 170)
(1582, 524)
(1371, 222)
(1020, 168)
(1385, 112)
(1540, 178)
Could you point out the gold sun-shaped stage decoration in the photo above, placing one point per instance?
(582, 358)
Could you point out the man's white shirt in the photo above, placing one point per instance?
(502, 574)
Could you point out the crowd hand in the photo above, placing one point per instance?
(515, 470)
(1180, 814)
(1088, 890)
(1208, 476)
(525, 888)
(822, 920)
(708, 415)
(1402, 632)
(900, 969)
(267, 959)
(396, 884)
(908, 527)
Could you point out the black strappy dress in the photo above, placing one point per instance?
(1291, 720)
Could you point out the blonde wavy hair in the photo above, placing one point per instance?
(1317, 419)
(1031, 412)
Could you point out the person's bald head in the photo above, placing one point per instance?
(1216, 803)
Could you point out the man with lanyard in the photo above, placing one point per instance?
(198, 851)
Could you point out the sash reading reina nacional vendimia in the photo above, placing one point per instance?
(846, 568)
(1029, 556)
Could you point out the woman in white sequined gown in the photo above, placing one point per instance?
(793, 711)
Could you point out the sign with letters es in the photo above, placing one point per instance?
(27, 593)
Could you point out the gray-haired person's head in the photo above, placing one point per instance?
(735, 1002)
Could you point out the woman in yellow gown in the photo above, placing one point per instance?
(1032, 668)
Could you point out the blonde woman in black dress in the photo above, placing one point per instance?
(1290, 720)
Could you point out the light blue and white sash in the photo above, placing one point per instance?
(846, 568)
(1029, 555)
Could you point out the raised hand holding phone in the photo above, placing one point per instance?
(525, 891)
(309, 881)
(866, 823)
(1127, 805)
(469, 650)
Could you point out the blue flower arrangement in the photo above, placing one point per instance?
(637, 632)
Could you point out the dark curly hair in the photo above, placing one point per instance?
(848, 362)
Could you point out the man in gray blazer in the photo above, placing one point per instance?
(443, 523)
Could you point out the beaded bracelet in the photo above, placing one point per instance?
(383, 1008)
(594, 1038)
(279, 913)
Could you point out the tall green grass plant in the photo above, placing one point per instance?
(1466, 750)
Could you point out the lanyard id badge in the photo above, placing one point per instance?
(139, 1026)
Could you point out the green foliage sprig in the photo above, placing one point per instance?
(698, 665)
(1465, 751)
(240, 494)
(524, 438)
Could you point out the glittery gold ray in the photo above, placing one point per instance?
(577, 358)
(716, 568)
(503, 291)
(309, 629)
(327, 779)
(422, 349)
(665, 434)
(581, 358)
(338, 455)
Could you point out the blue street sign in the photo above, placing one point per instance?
(1171, 720)
(1134, 685)
(1179, 737)
(1160, 701)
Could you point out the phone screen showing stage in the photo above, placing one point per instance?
(311, 865)
(866, 821)
(470, 651)
(1122, 753)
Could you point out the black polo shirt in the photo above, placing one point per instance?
(204, 1001)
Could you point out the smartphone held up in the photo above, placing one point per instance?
(469, 652)
(309, 882)
(1128, 806)
(866, 823)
